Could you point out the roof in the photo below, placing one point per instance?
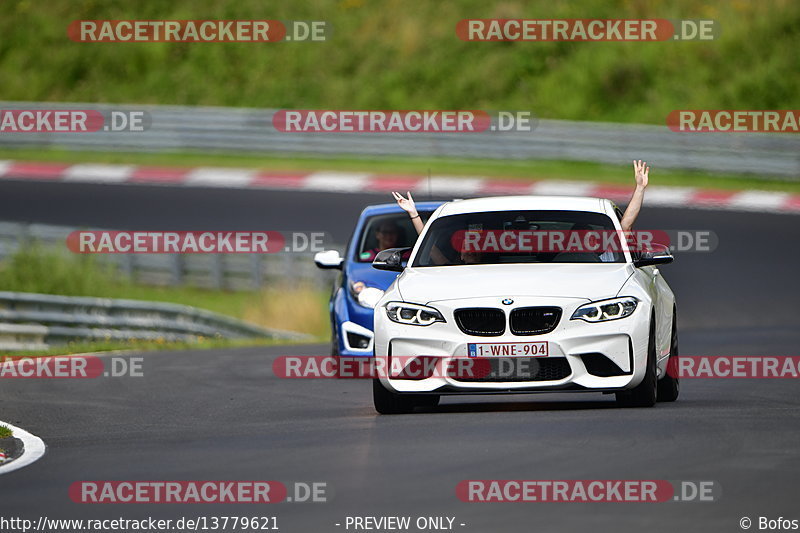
(384, 209)
(528, 203)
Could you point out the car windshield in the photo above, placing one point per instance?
(380, 232)
(498, 237)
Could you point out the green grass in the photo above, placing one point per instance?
(403, 54)
(5, 432)
(501, 169)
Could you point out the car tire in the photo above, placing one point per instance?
(646, 392)
(669, 387)
(389, 403)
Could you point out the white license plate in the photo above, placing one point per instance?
(508, 349)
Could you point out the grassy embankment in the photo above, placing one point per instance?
(404, 54)
(35, 269)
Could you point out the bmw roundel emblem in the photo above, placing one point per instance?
(508, 301)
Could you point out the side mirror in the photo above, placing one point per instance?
(328, 259)
(390, 259)
(658, 255)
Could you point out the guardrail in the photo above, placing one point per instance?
(176, 128)
(30, 321)
(218, 271)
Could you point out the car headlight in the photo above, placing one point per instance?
(605, 310)
(365, 296)
(412, 314)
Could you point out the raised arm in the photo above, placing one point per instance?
(641, 173)
(407, 205)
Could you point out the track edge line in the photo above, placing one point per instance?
(33, 448)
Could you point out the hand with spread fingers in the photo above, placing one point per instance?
(407, 205)
(641, 173)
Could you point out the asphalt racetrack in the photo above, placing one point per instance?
(223, 415)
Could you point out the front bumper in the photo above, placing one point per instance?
(573, 347)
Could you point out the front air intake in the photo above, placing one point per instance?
(481, 321)
(534, 320)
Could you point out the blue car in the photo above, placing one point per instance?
(360, 286)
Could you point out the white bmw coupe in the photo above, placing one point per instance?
(511, 317)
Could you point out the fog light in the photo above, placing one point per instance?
(359, 342)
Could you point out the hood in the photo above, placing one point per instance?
(587, 281)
